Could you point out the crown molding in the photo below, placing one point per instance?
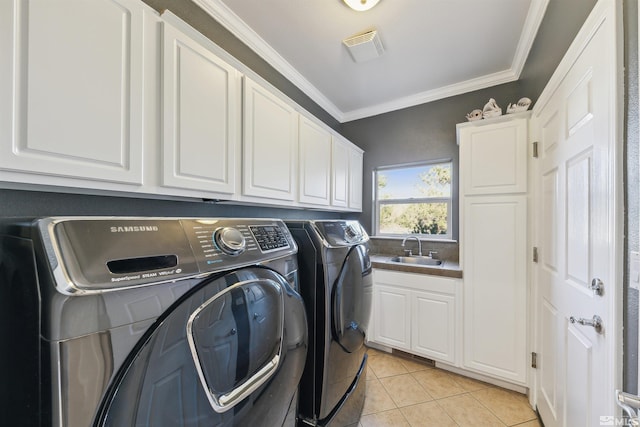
(528, 35)
(434, 95)
(227, 18)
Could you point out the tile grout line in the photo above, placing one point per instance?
(450, 376)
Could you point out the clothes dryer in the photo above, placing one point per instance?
(336, 286)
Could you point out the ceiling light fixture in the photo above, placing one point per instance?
(361, 5)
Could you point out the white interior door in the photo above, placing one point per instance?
(578, 233)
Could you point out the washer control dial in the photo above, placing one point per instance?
(230, 240)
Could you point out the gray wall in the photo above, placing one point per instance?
(428, 131)
(632, 193)
(20, 203)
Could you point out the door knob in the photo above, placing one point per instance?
(596, 322)
(597, 287)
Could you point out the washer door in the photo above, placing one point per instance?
(211, 358)
(351, 300)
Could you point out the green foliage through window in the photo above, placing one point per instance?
(414, 199)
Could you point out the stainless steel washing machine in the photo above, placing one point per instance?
(149, 322)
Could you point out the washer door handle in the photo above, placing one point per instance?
(223, 401)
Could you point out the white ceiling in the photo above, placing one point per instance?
(433, 48)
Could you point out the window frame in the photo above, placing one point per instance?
(447, 200)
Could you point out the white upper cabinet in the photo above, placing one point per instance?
(71, 94)
(315, 162)
(107, 95)
(201, 116)
(493, 156)
(355, 178)
(346, 174)
(340, 172)
(270, 142)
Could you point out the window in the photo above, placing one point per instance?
(413, 199)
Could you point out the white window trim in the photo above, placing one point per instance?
(377, 202)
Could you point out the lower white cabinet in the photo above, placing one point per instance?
(392, 315)
(433, 320)
(416, 313)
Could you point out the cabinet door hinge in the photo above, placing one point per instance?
(534, 360)
(535, 149)
(535, 254)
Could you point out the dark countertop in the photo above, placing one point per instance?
(447, 269)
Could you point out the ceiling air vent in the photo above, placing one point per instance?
(364, 47)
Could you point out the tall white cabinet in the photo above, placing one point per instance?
(493, 244)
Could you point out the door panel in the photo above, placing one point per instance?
(579, 355)
(576, 221)
(224, 333)
(548, 368)
(350, 307)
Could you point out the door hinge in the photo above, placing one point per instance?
(534, 360)
(535, 149)
(535, 254)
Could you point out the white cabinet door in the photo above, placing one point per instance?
(355, 179)
(392, 316)
(433, 325)
(270, 144)
(314, 146)
(71, 99)
(201, 101)
(494, 157)
(340, 172)
(495, 286)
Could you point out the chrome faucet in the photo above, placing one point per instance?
(417, 240)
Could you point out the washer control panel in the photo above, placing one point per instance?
(96, 254)
(269, 237)
(219, 243)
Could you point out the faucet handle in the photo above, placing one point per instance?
(408, 252)
(432, 254)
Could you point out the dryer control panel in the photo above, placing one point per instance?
(341, 232)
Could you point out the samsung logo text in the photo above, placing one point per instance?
(134, 229)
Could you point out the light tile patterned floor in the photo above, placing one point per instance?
(403, 392)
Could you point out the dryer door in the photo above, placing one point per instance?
(351, 300)
(211, 358)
